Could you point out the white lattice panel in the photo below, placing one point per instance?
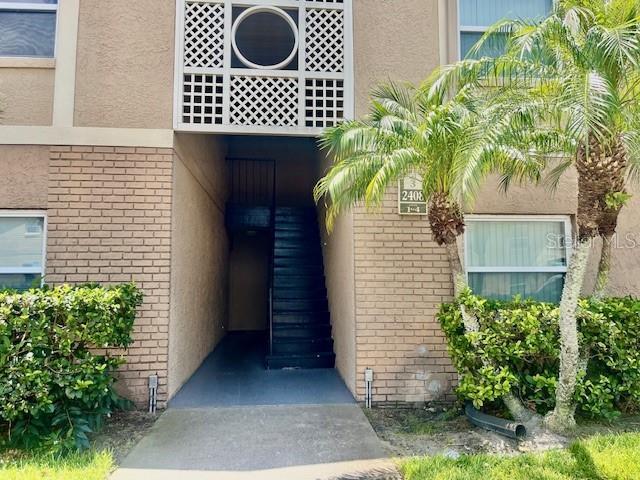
(217, 91)
(324, 50)
(264, 101)
(324, 102)
(204, 35)
(202, 99)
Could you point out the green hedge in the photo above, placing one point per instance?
(54, 388)
(517, 349)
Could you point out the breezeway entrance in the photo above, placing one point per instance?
(236, 420)
(234, 375)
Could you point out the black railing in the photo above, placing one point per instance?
(272, 259)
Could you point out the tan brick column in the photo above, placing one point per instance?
(109, 215)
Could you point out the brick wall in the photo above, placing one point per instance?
(109, 214)
(401, 278)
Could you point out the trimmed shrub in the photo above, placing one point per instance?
(55, 388)
(518, 345)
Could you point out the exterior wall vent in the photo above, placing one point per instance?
(283, 67)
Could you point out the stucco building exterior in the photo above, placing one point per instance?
(129, 130)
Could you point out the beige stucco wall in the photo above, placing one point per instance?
(529, 200)
(625, 268)
(26, 96)
(199, 256)
(23, 182)
(125, 64)
(393, 39)
(339, 267)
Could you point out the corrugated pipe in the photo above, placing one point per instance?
(507, 428)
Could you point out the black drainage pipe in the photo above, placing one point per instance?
(507, 428)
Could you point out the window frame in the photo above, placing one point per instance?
(460, 29)
(568, 235)
(29, 214)
(34, 7)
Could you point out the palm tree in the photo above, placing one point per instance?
(448, 144)
(582, 64)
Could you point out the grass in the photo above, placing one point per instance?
(90, 465)
(609, 457)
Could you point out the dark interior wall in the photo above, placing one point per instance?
(296, 161)
(296, 164)
(249, 282)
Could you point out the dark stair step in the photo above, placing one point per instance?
(307, 227)
(292, 262)
(298, 281)
(309, 254)
(314, 360)
(300, 331)
(294, 243)
(284, 213)
(295, 208)
(295, 234)
(297, 347)
(295, 293)
(298, 270)
(315, 317)
(300, 305)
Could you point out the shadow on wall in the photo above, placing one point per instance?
(249, 281)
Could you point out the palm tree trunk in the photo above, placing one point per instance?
(562, 417)
(604, 267)
(459, 285)
(601, 172)
(447, 225)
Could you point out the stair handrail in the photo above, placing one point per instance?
(272, 258)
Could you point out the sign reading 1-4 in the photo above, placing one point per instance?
(410, 197)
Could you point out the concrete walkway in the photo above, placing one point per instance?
(234, 420)
(234, 375)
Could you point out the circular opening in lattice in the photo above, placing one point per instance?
(265, 38)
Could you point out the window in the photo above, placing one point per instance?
(526, 256)
(477, 15)
(22, 247)
(28, 28)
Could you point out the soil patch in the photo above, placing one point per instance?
(123, 431)
(419, 432)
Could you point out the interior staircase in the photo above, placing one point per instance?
(301, 327)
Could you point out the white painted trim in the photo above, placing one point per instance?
(346, 76)
(226, 73)
(275, 11)
(565, 219)
(32, 7)
(27, 62)
(30, 214)
(495, 217)
(11, 270)
(349, 76)
(65, 79)
(516, 269)
(443, 32)
(250, 130)
(472, 29)
(178, 64)
(108, 137)
(458, 50)
(302, 63)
